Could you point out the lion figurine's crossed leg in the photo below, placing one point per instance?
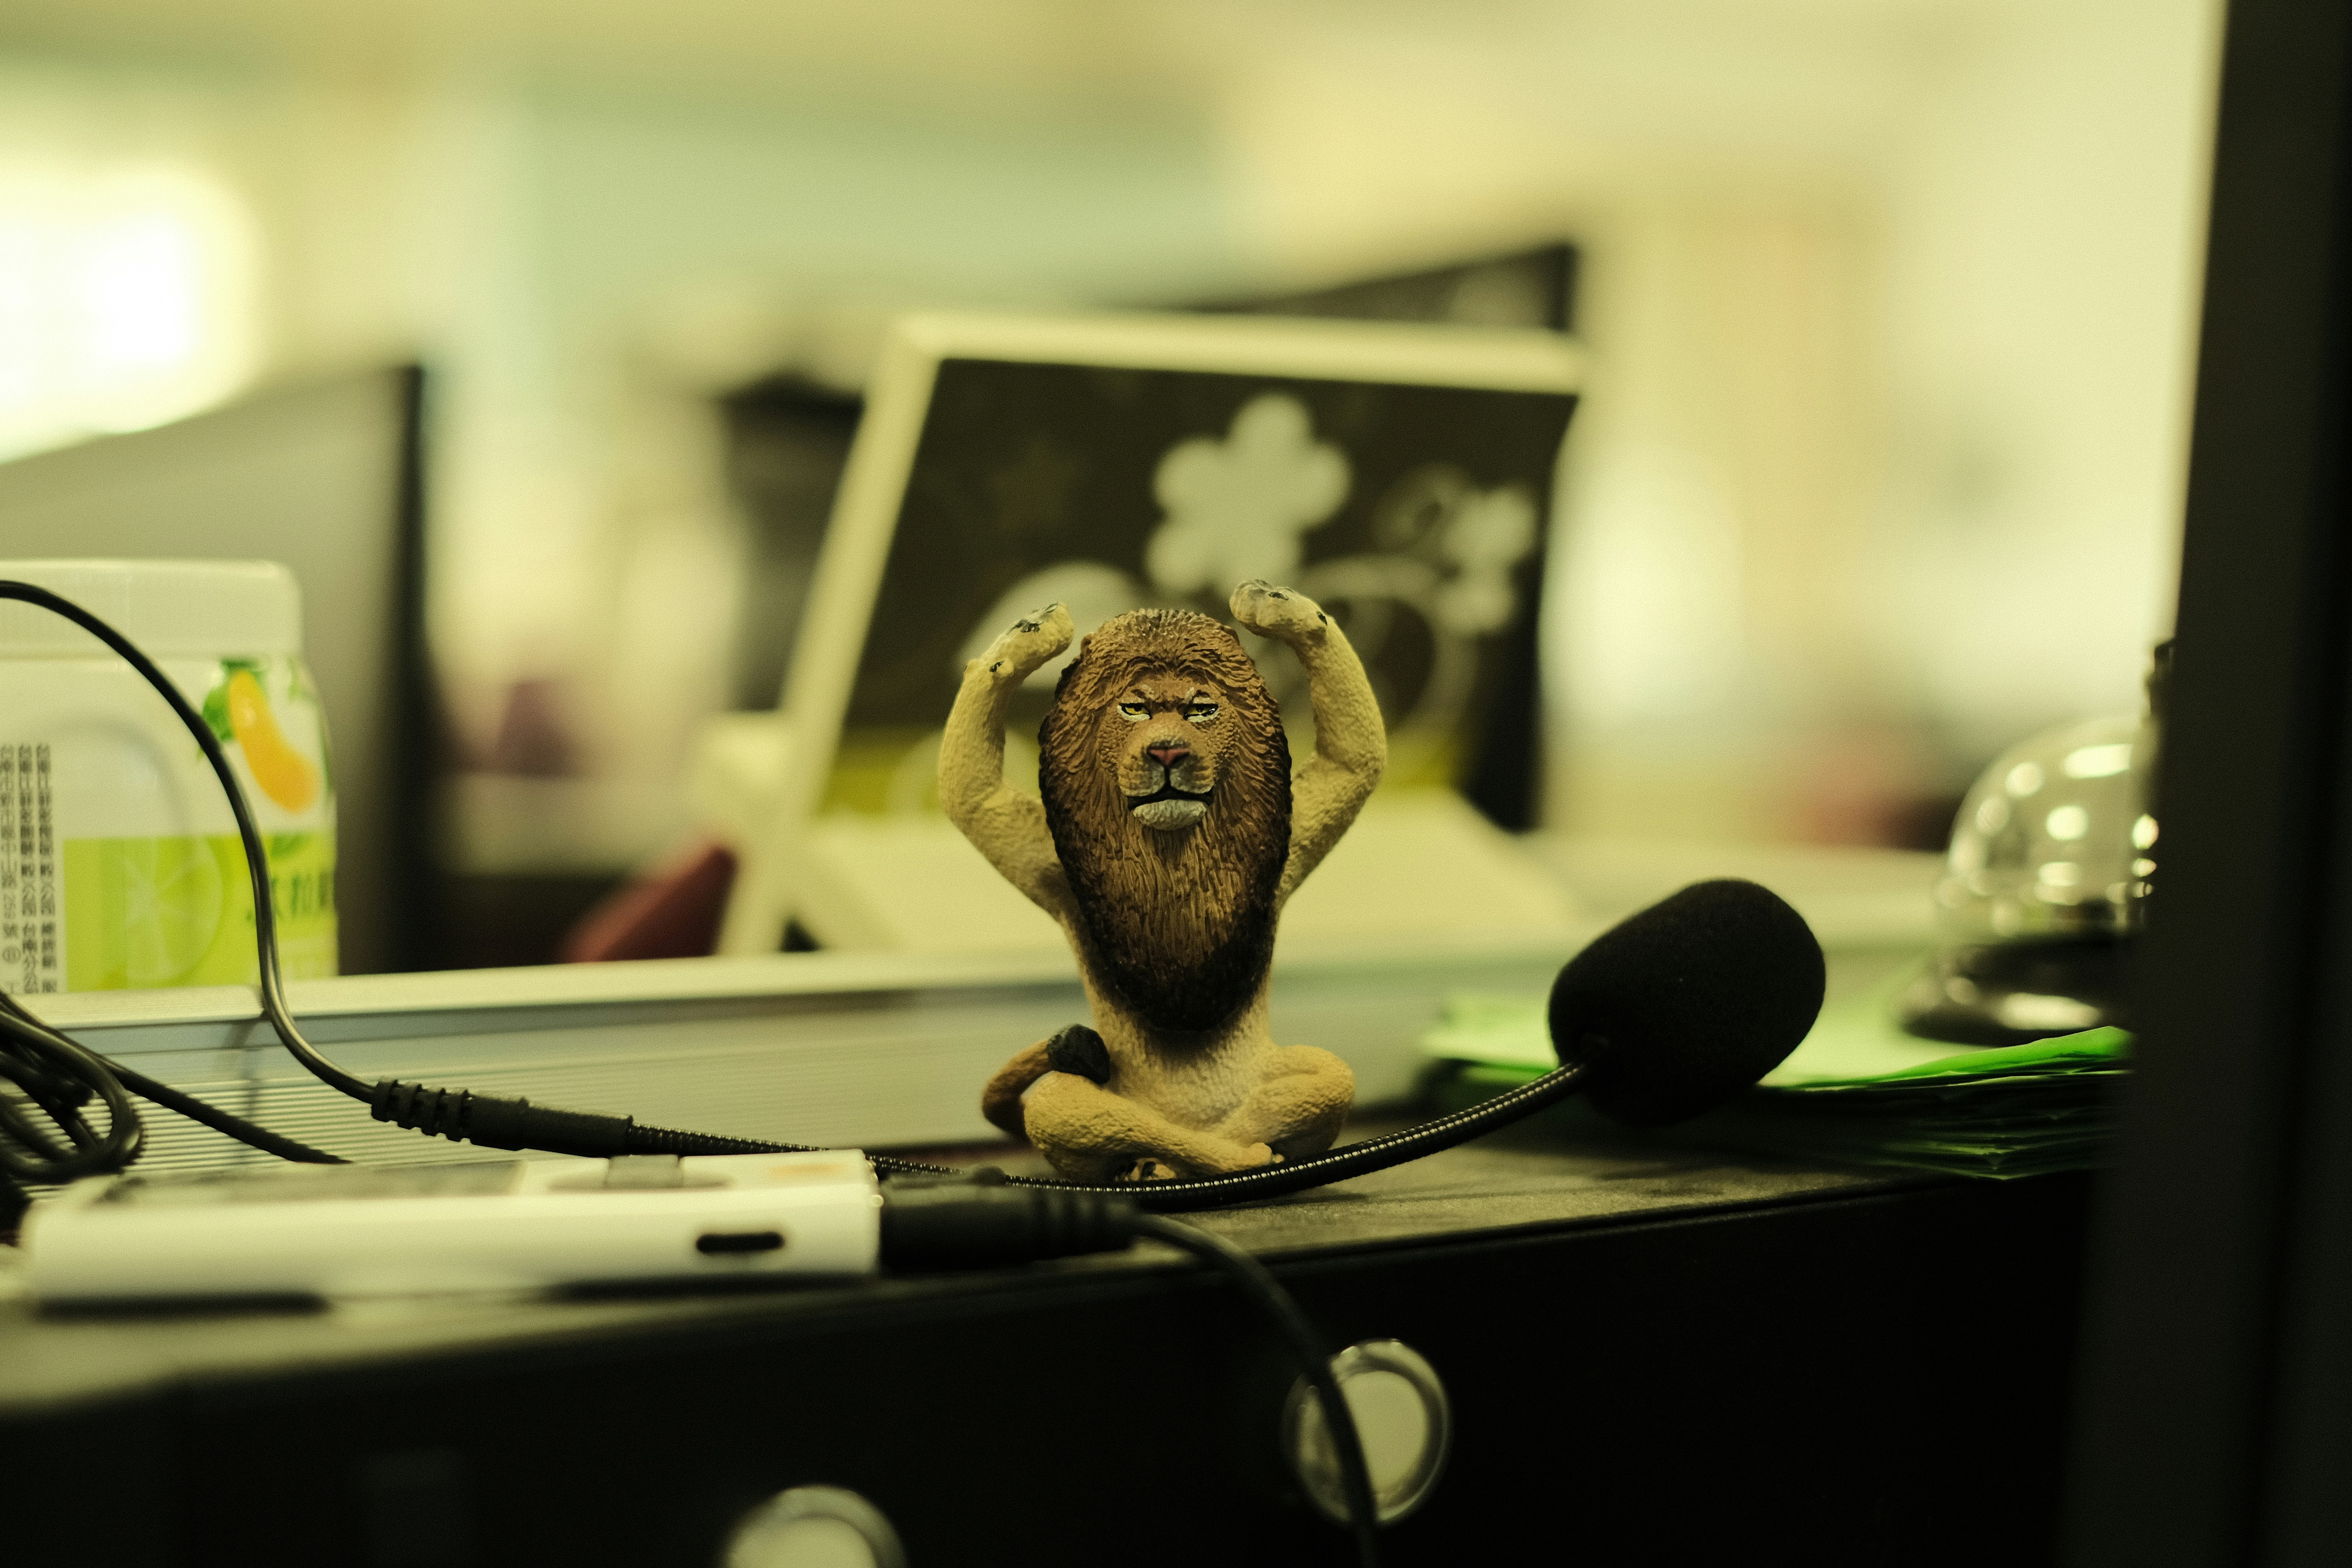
(1090, 1133)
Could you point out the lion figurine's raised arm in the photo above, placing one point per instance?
(1171, 833)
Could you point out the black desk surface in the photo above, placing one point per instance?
(1490, 1190)
(1709, 1353)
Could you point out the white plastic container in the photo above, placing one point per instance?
(119, 863)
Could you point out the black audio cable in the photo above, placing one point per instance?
(257, 863)
(62, 1077)
(969, 1223)
(1306, 1350)
(59, 1078)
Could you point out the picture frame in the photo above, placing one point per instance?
(1401, 474)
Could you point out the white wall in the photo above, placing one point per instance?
(2046, 238)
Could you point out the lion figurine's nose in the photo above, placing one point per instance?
(1168, 756)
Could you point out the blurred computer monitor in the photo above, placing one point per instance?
(323, 476)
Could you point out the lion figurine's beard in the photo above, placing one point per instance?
(1178, 926)
(1170, 815)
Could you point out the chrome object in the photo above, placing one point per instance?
(2052, 865)
(1402, 1415)
(2055, 840)
(813, 1527)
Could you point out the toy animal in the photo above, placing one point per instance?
(1171, 833)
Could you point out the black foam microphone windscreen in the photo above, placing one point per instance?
(1684, 1006)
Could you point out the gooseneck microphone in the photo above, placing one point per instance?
(1687, 1004)
(1670, 1013)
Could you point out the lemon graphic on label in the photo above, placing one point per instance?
(284, 775)
(171, 907)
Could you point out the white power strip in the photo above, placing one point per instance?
(501, 1224)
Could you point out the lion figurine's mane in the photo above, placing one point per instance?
(1179, 927)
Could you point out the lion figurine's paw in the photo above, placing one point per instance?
(1147, 1169)
(1028, 643)
(1285, 615)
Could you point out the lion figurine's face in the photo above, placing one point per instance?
(1166, 781)
(1162, 740)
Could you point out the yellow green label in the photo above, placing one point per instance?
(179, 910)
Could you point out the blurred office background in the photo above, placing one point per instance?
(1892, 303)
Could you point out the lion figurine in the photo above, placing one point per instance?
(1171, 833)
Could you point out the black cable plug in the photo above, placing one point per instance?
(499, 1120)
(932, 1226)
(512, 1121)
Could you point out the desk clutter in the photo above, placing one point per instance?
(1858, 1090)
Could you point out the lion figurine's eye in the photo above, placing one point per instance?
(1200, 713)
(1134, 713)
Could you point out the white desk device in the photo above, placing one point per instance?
(369, 1230)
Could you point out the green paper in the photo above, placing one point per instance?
(1857, 1088)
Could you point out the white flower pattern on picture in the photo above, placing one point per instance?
(1443, 552)
(1236, 508)
(1486, 534)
